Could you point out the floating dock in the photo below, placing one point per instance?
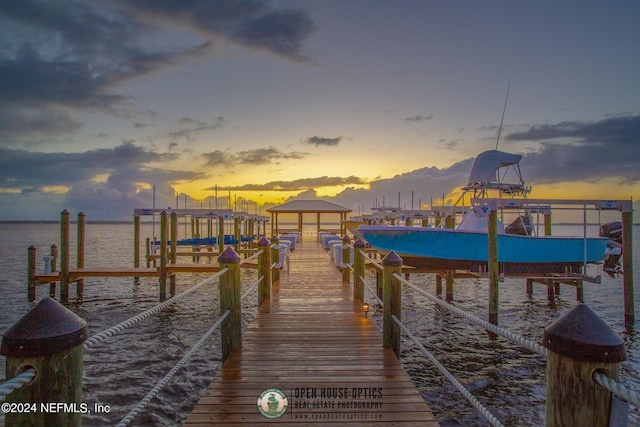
(312, 344)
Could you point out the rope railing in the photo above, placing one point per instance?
(256, 255)
(252, 287)
(528, 344)
(466, 393)
(617, 388)
(107, 333)
(375, 263)
(152, 393)
(368, 287)
(9, 386)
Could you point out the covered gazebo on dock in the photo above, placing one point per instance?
(302, 207)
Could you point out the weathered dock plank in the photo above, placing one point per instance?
(312, 342)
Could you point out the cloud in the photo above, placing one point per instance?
(109, 183)
(258, 156)
(61, 58)
(587, 151)
(300, 184)
(319, 140)
(190, 128)
(418, 118)
(253, 24)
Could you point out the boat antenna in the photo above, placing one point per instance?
(504, 109)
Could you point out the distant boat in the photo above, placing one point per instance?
(466, 247)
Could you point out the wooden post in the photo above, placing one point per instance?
(529, 287)
(438, 284)
(236, 232)
(220, 234)
(80, 253)
(275, 258)
(64, 256)
(231, 328)
(578, 344)
(358, 270)
(392, 301)
(346, 258)
(379, 283)
(547, 224)
(627, 266)
(173, 257)
(136, 245)
(54, 268)
(164, 221)
(148, 253)
(494, 272)
(408, 222)
(264, 270)
(449, 285)
(54, 349)
(31, 274)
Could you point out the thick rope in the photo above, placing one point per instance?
(615, 387)
(466, 393)
(256, 255)
(251, 287)
(369, 288)
(152, 393)
(17, 382)
(530, 345)
(148, 313)
(375, 263)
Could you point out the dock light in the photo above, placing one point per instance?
(365, 308)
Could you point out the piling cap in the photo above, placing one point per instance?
(346, 240)
(359, 243)
(274, 239)
(581, 334)
(392, 260)
(263, 241)
(47, 329)
(229, 256)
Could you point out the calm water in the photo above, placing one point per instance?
(120, 371)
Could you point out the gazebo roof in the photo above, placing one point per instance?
(308, 206)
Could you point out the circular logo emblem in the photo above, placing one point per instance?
(272, 403)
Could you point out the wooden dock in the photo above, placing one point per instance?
(312, 342)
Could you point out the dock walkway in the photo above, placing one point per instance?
(312, 342)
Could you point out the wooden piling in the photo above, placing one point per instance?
(346, 259)
(438, 284)
(275, 258)
(547, 224)
(231, 328)
(164, 222)
(449, 285)
(54, 268)
(494, 272)
(31, 273)
(54, 348)
(264, 271)
(220, 234)
(174, 250)
(358, 270)
(392, 301)
(579, 344)
(148, 252)
(64, 256)
(136, 245)
(627, 266)
(80, 253)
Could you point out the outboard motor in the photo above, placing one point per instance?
(613, 231)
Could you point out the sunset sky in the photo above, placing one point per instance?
(351, 101)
